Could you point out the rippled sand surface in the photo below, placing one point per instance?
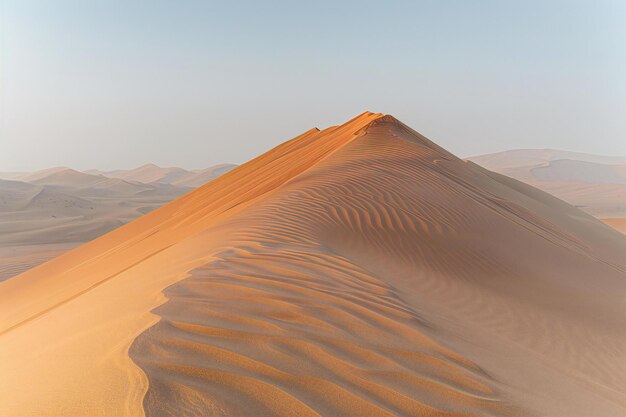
(360, 270)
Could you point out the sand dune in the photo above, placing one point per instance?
(568, 170)
(151, 173)
(595, 184)
(12, 175)
(37, 175)
(65, 177)
(360, 270)
(530, 157)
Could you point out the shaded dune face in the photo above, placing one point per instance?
(391, 278)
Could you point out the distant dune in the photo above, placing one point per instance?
(151, 173)
(200, 177)
(593, 183)
(528, 157)
(360, 270)
(45, 213)
(37, 175)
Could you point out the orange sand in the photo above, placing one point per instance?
(358, 270)
(617, 224)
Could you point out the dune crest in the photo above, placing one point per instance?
(357, 270)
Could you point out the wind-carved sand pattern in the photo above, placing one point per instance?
(360, 270)
(312, 335)
(287, 321)
(282, 325)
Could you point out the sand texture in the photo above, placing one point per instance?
(360, 270)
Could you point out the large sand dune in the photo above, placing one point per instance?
(360, 270)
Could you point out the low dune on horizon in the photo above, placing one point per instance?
(595, 184)
(358, 270)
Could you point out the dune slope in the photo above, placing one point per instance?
(358, 270)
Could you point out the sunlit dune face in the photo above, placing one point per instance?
(617, 224)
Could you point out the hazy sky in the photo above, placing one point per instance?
(115, 84)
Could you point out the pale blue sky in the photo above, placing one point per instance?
(115, 84)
